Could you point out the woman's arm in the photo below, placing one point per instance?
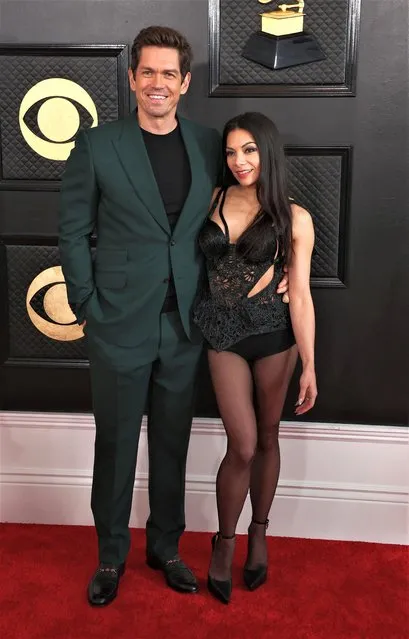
(301, 305)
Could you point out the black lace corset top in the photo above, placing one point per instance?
(227, 310)
(215, 243)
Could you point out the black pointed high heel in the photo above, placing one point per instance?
(256, 577)
(220, 589)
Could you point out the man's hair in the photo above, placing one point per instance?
(162, 37)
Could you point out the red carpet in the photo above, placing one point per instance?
(316, 590)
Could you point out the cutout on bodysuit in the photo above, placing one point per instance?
(263, 282)
(265, 279)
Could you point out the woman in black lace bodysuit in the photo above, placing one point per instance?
(253, 337)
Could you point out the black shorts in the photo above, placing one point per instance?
(258, 346)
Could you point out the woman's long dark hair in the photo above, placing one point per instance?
(271, 187)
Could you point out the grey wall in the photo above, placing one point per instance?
(362, 330)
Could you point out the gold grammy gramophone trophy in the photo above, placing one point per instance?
(282, 41)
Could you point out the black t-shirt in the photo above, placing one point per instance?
(171, 168)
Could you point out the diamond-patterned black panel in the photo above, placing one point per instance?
(98, 75)
(327, 20)
(24, 263)
(315, 182)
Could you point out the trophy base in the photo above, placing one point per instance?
(281, 52)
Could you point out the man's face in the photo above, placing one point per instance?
(157, 82)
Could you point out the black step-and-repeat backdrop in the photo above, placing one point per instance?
(49, 92)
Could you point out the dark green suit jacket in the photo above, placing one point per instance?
(109, 185)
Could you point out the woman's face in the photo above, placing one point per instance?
(242, 157)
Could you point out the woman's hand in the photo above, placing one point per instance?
(308, 392)
(282, 288)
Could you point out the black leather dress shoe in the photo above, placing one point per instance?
(103, 587)
(178, 575)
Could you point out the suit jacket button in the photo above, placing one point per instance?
(172, 242)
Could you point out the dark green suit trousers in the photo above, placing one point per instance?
(165, 383)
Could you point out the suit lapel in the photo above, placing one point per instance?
(197, 169)
(132, 154)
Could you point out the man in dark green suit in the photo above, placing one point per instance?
(144, 184)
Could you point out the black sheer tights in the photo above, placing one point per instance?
(252, 459)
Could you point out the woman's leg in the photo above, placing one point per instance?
(233, 385)
(272, 376)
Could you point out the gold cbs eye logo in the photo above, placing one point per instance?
(58, 119)
(63, 325)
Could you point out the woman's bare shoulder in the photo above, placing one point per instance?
(299, 212)
(302, 220)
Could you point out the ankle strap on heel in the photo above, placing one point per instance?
(225, 536)
(261, 523)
